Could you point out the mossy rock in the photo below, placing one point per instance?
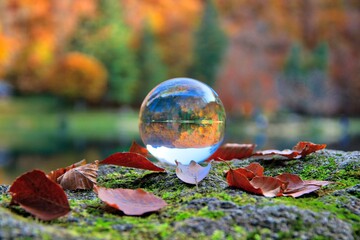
(211, 210)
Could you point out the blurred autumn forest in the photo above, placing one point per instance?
(299, 55)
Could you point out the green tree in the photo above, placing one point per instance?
(321, 56)
(152, 69)
(293, 67)
(106, 37)
(210, 42)
(302, 62)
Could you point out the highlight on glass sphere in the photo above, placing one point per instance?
(182, 119)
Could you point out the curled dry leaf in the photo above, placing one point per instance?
(251, 179)
(129, 201)
(301, 149)
(272, 153)
(82, 177)
(133, 160)
(305, 148)
(267, 186)
(230, 151)
(192, 173)
(236, 178)
(297, 187)
(39, 195)
(136, 148)
(270, 186)
(54, 175)
(256, 169)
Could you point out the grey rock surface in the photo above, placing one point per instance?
(282, 221)
(15, 227)
(211, 210)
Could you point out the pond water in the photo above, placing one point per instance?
(50, 151)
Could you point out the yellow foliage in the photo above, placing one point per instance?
(78, 76)
(5, 52)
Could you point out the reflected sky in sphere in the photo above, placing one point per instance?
(182, 119)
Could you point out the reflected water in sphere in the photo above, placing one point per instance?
(182, 119)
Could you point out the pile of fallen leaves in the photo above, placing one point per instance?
(43, 196)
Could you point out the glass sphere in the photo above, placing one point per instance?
(182, 119)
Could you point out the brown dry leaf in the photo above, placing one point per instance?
(54, 175)
(129, 201)
(82, 177)
(230, 151)
(237, 179)
(192, 173)
(270, 186)
(305, 148)
(301, 149)
(256, 169)
(274, 154)
(251, 179)
(39, 195)
(297, 187)
(136, 148)
(133, 160)
(266, 186)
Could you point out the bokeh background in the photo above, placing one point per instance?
(74, 73)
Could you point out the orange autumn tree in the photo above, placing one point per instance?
(5, 52)
(30, 26)
(78, 76)
(37, 33)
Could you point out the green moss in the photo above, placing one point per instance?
(347, 178)
(259, 234)
(205, 212)
(327, 203)
(320, 172)
(171, 196)
(320, 238)
(180, 216)
(4, 199)
(240, 232)
(124, 178)
(218, 235)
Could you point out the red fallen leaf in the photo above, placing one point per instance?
(133, 160)
(270, 186)
(131, 202)
(287, 154)
(236, 178)
(251, 180)
(305, 148)
(39, 195)
(230, 151)
(82, 177)
(267, 186)
(297, 187)
(251, 171)
(256, 168)
(192, 173)
(54, 175)
(294, 181)
(301, 149)
(136, 148)
(247, 173)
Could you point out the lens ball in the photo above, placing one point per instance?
(182, 119)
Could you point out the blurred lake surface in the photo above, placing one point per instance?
(53, 140)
